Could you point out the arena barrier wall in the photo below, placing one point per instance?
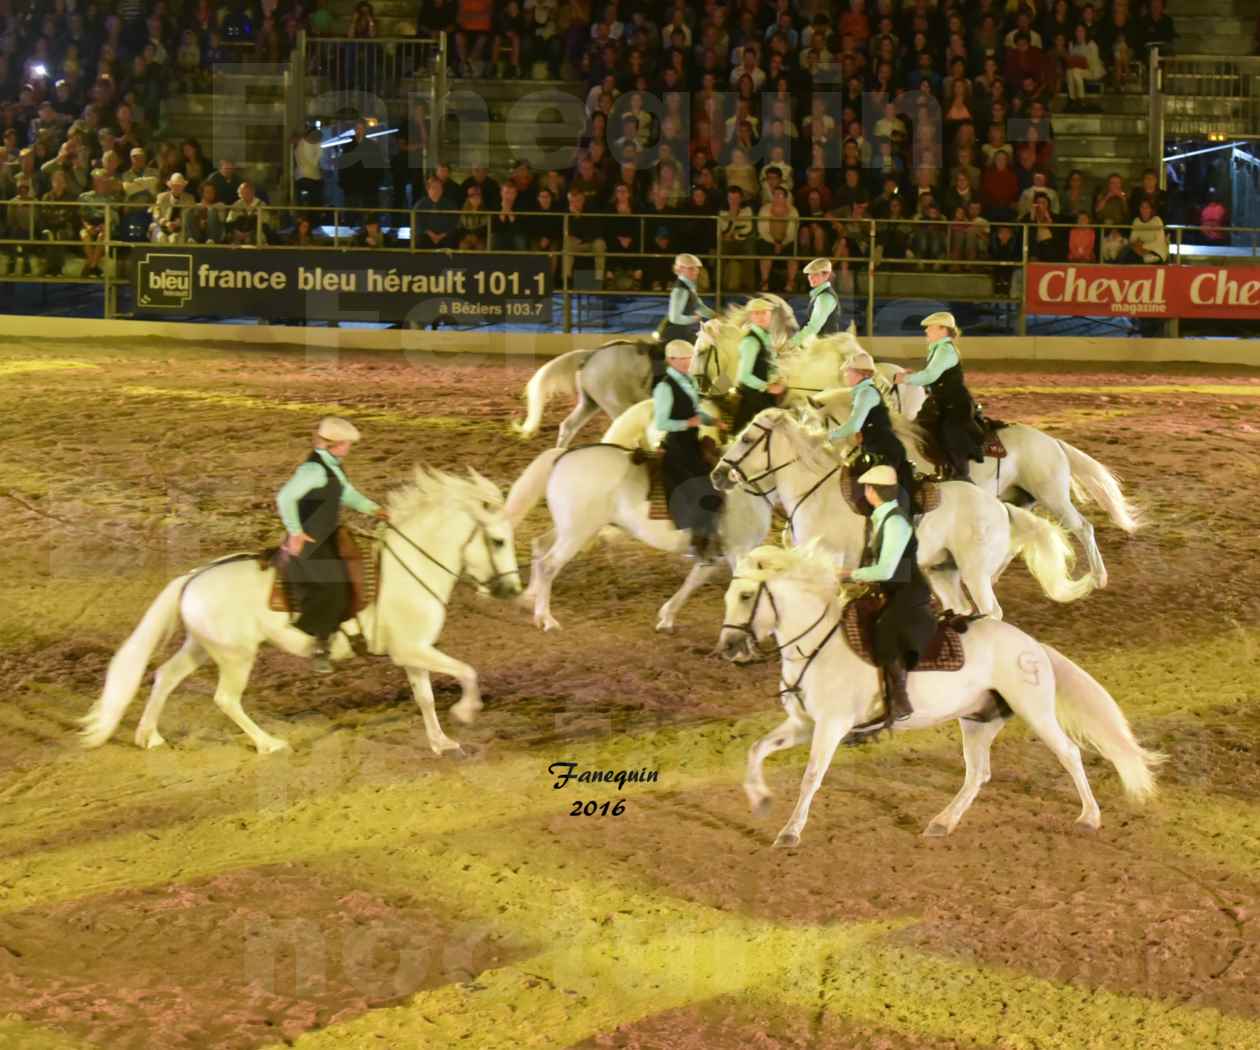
(490, 344)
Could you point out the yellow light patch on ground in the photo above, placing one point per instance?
(49, 364)
(1214, 389)
(17, 1034)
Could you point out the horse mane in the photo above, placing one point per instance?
(911, 435)
(807, 443)
(429, 488)
(808, 564)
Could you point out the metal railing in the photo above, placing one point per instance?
(1201, 95)
(946, 261)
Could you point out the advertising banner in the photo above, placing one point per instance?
(331, 285)
(1144, 291)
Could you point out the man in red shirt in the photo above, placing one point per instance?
(1023, 63)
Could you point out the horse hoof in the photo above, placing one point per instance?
(1089, 823)
(665, 626)
(760, 807)
(273, 745)
(787, 840)
(936, 830)
(150, 740)
(448, 747)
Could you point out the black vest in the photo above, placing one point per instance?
(831, 326)
(670, 330)
(681, 407)
(907, 571)
(320, 509)
(949, 386)
(878, 422)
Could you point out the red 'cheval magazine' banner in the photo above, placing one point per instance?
(1143, 291)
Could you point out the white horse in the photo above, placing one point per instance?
(615, 375)
(793, 596)
(968, 540)
(594, 486)
(1037, 469)
(442, 529)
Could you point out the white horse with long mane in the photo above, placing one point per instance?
(443, 529)
(592, 487)
(968, 540)
(794, 597)
(617, 374)
(1037, 469)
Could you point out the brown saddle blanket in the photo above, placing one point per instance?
(990, 437)
(944, 652)
(362, 565)
(927, 496)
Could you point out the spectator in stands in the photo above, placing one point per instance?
(1076, 196)
(140, 180)
(1045, 245)
(226, 182)
(1040, 188)
(1111, 208)
(1114, 246)
(58, 219)
(735, 229)
(815, 233)
(1156, 28)
(777, 227)
(1084, 66)
(359, 169)
(168, 209)
(480, 177)
(474, 221)
(1148, 190)
(1148, 241)
(436, 222)
(308, 167)
(475, 22)
(1212, 218)
(243, 217)
(1005, 249)
(305, 234)
(1024, 63)
(408, 161)
(509, 230)
(999, 186)
(1121, 38)
(96, 202)
(206, 221)
(372, 236)
(625, 269)
(1083, 240)
(584, 237)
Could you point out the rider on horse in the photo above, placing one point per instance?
(686, 311)
(310, 504)
(756, 364)
(949, 413)
(869, 417)
(824, 312)
(906, 625)
(694, 504)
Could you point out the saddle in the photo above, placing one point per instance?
(363, 566)
(926, 497)
(943, 653)
(993, 447)
(986, 428)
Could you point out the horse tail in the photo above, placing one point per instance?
(1090, 716)
(128, 665)
(557, 376)
(1090, 478)
(1049, 556)
(528, 489)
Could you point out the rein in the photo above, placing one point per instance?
(478, 529)
(750, 484)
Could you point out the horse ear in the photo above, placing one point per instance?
(852, 329)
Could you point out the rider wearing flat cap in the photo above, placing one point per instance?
(310, 507)
(756, 364)
(824, 304)
(949, 413)
(686, 311)
(869, 417)
(906, 625)
(694, 504)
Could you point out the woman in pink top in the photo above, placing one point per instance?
(1082, 241)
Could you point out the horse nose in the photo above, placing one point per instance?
(509, 588)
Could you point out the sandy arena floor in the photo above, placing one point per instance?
(360, 892)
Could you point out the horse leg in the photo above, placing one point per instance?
(191, 655)
(234, 670)
(537, 549)
(1062, 509)
(795, 729)
(418, 658)
(422, 687)
(977, 740)
(947, 586)
(584, 410)
(699, 575)
(827, 737)
(976, 573)
(1034, 701)
(563, 551)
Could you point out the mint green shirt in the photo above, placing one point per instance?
(678, 301)
(942, 356)
(749, 348)
(892, 545)
(823, 298)
(663, 402)
(865, 397)
(311, 476)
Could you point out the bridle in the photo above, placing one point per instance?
(708, 372)
(781, 649)
(478, 531)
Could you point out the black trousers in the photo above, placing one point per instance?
(693, 501)
(953, 427)
(320, 585)
(905, 626)
(750, 403)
